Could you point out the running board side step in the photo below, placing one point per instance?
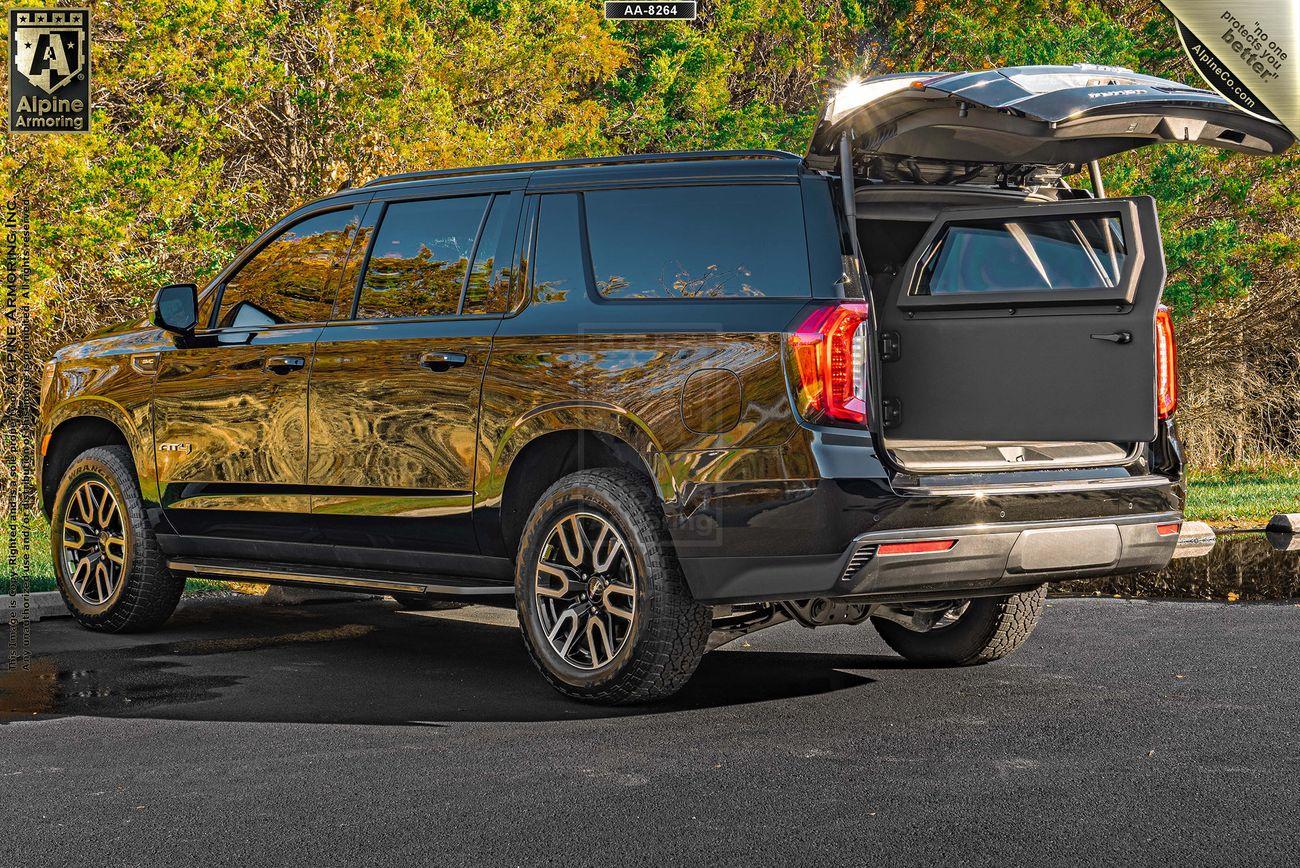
(351, 580)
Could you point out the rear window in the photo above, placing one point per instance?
(1039, 254)
(698, 242)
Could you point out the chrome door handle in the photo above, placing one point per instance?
(1115, 337)
(439, 361)
(284, 364)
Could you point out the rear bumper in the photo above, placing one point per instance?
(983, 559)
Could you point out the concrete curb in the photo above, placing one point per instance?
(42, 605)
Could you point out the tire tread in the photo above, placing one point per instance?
(997, 626)
(152, 590)
(674, 636)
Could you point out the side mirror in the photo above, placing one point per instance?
(176, 308)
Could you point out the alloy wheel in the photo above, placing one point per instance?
(585, 588)
(94, 543)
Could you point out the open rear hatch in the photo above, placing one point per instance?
(1022, 334)
(1024, 124)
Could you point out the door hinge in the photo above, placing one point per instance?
(891, 346)
(891, 412)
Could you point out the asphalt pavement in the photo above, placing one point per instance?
(349, 733)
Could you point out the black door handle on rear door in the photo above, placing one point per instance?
(439, 361)
(284, 364)
(1115, 337)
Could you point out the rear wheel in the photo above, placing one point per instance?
(605, 612)
(964, 634)
(109, 568)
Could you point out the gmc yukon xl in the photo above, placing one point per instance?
(655, 402)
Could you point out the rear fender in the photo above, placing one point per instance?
(598, 418)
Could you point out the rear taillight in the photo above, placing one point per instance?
(828, 354)
(1166, 365)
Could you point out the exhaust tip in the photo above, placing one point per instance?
(1283, 542)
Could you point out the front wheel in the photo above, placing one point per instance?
(109, 568)
(976, 631)
(605, 611)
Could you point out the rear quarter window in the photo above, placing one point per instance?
(698, 242)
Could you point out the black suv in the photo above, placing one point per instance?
(661, 401)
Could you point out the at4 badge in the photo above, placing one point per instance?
(49, 70)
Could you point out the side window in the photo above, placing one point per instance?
(557, 263)
(742, 241)
(1032, 255)
(289, 279)
(420, 258)
(489, 277)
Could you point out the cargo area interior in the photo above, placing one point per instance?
(892, 220)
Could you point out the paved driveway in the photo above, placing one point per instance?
(349, 733)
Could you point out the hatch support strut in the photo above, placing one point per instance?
(850, 205)
(1094, 175)
(875, 422)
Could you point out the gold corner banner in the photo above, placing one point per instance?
(1248, 51)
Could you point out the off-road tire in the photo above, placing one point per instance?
(670, 632)
(148, 592)
(990, 629)
(420, 603)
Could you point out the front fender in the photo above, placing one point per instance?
(107, 378)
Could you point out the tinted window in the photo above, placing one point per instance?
(698, 242)
(557, 264)
(1041, 254)
(489, 278)
(288, 280)
(420, 258)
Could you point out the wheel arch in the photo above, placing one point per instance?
(549, 446)
(84, 425)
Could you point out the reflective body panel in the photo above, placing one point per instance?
(380, 419)
(223, 418)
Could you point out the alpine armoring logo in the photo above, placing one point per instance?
(49, 70)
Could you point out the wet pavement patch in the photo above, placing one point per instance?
(112, 684)
(128, 676)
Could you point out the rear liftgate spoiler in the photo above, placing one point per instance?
(1023, 125)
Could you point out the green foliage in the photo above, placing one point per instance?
(213, 118)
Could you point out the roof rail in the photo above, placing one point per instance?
(580, 162)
